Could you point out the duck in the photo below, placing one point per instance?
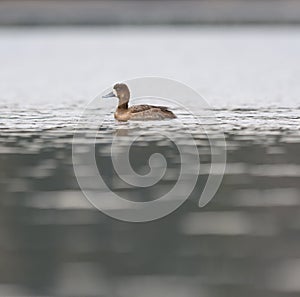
(143, 112)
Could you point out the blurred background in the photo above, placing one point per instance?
(242, 56)
(147, 12)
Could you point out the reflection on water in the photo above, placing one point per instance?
(245, 242)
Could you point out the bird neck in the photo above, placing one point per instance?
(123, 105)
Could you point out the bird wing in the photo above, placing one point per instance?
(141, 108)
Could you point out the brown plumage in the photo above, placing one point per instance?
(136, 112)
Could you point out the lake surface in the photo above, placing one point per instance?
(245, 242)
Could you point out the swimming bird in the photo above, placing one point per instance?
(136, 112)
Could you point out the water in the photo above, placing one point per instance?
(245, 242)
(231, 67)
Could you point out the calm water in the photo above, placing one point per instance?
(245, 242)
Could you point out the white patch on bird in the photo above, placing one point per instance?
(115, 92)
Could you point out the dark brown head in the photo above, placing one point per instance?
(120, 91)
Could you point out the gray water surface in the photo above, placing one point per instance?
(230, 66)
(245, 242)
